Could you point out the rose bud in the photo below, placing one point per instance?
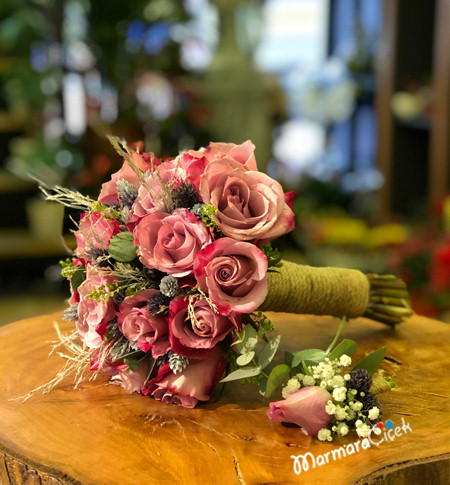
(94, 232)
(306, 408)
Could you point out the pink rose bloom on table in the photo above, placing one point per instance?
(137, 324)
(143, 161)
(193, 339)
(94, 232)
(305, 407)
(170, 242)
(233, 274)
(195, 383)
(94, 316)
(251, 205)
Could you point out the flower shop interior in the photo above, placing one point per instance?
(346, 102)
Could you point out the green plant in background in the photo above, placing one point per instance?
(125, 61)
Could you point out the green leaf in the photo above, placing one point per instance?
(242, 374)
(338, 334)
(151, 365)
(78, 278)
(262, 383)
(268, 352)
(288, 358)
(347, 347)
(309, 356)
(132, 364)
(372, 361)
(122, 247)
(276, 377)
(244, 359)
(249, 340)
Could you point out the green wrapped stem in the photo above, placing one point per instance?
(339, 292)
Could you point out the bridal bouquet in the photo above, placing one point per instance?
(174, 263)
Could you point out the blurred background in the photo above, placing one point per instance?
(347, 102)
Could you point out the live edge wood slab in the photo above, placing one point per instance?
(99, 435)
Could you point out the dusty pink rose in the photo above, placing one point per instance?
(251, 205)
(133, 381)
(137, 324)
(306, 408)
(196, 161)
(150, 193)
(193, 339)
(170, 242)
(233, 274)
(195, 383)
(94, 232)
(93, 315)
(143, 161)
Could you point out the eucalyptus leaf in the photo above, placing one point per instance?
(268, 352)
(347, 347)
(276, 378)
(246, 358)
(78, 278)
(249, 340)
(242, 373)
(309, 356)
(122, 247)
(372, 361)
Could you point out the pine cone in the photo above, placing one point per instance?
(177, 363)
(185, 196)
(360, 380)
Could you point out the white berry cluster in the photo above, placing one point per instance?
(343, 406)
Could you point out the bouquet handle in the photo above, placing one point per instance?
(338, 292)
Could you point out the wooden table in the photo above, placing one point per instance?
(101, 435)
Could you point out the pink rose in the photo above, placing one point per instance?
(137, 324)
(143, 161)
(133, 381)
(234, 274)
(251, 205)
(306, 408)
(195, 383)
(193, 339)
(197, 160)
(93, 315)
(94, 232)
(170, 242)
(150, 195)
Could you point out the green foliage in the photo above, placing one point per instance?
(347, 347)
(122, 247)
(372, 361)
(208, 213)
(276, 378)
(273, 256)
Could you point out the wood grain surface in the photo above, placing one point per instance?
(99, 435)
